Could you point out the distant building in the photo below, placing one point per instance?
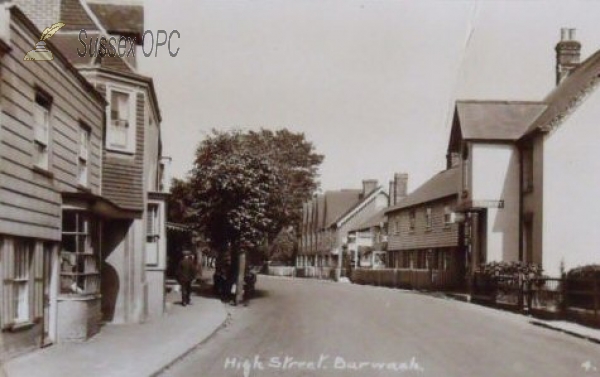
(328, 218)
(423, 235)
(367, 242)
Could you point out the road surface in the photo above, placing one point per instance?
(298, 327)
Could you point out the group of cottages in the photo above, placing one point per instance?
(519, 185)
(327, 220)
(82, 189)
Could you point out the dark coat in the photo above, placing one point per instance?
(187, 270)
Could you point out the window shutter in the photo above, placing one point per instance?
(8, 275)
(38, 280)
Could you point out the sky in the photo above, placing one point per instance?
(371, 83)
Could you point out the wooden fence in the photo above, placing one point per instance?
(406, 278)
(575, 299)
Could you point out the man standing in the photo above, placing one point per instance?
(186, 273)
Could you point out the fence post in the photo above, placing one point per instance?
(564, 304)
(520, 293)
(595, 290)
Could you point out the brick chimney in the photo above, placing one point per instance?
(568, 52)
(368, 186)
(398, 188)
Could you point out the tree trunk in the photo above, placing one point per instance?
(239, 293)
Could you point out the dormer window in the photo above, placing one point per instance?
(120, 135)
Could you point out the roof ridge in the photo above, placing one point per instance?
(499, 101)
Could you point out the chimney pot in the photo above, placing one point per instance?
(568, 52)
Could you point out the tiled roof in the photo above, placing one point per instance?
(337, 203)
(560, 99)
(441, 185)
(373, 221)
(68, 44)
(496, 120)
(75, 17)
(120, 18)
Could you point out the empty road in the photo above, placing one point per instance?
(313, 328)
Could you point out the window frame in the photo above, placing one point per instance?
(153, 213)
(412, 220)
(84, 277)
(428, 218)
(42, 132)
(447, 216)
(130, 145)
(83, 158)
(22, 281)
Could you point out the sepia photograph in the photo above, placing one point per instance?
(249, 188)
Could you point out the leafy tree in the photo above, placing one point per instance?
(178, 201)
(231, 194)
(297, 163)
(284, 246)
(244, 188)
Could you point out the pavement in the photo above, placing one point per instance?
(571, 328)
(131, 349)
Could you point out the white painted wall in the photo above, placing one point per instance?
(571, 202)
(495, 176)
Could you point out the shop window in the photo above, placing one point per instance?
(79, 263)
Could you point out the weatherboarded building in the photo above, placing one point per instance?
(423, 236)
(82, 179)
(327, 220)
(51, 131)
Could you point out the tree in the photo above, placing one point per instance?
(284, 246)
(245, 188)
(231, 193)
(297, 164)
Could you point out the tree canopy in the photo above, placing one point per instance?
(245, 187)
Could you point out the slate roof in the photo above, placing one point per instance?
(121, 19)
(441, 185)
(496, 120)
(559, 99)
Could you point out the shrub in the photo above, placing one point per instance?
(510, 269)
